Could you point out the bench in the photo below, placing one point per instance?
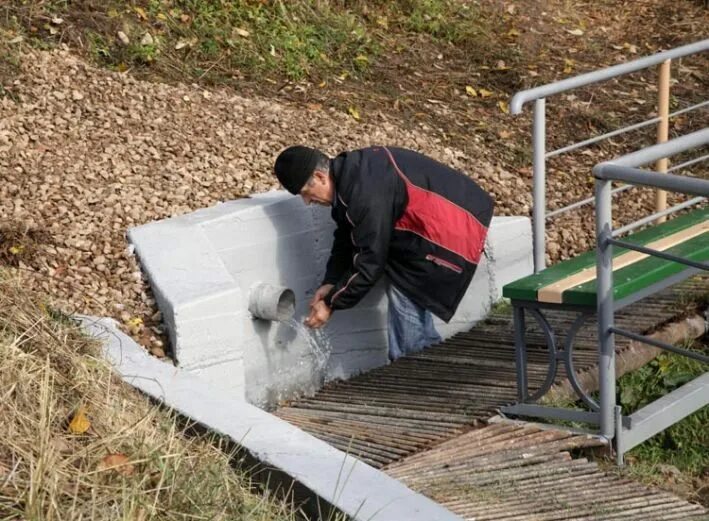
(571, 285)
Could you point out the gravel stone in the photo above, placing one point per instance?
(124, 152)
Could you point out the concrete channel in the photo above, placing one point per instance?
(420, 439)
(426, 420)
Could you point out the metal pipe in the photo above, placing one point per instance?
(607, 135)
(660, 254)
(582, 80)
(271, 302)
(539, 193)
(663, 112)
(604, 306)
(661, 345)
(688, 163)
(690, 108)
(648, 155)
(584, 202)
(650, 218)
(623, 130)
(672, 182)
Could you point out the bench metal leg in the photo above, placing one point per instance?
(519, 321)
(568, 356)
(520, 353)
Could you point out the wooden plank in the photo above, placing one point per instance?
(526, 288)
(555, 292)
(640, 275)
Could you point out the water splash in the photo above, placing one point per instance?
(316, 339)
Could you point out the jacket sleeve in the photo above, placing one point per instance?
(371, 216)
(340, 256)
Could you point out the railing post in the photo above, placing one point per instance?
(604, 303)
(663, 112)
(539, 187)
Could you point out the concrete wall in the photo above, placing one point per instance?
(202, 265)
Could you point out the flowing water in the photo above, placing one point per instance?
(316, 339)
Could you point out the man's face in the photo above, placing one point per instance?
(318, 189)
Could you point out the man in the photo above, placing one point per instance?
(399, 214)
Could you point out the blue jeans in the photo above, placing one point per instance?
(410, 326)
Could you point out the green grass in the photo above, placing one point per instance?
(684, 445)
(220, 39)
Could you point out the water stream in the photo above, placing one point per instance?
(317, 340)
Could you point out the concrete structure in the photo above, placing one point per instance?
(202, 267)
(285, 452)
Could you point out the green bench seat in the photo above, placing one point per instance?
(574, 282)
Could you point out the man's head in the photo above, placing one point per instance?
(305, 171)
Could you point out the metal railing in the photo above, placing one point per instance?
(661, 414)
(540, 155)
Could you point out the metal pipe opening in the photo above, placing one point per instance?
(271, 302)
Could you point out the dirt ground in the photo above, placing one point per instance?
(86, 153)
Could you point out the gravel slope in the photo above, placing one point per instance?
(86, 153)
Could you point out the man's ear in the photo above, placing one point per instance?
(320, 175)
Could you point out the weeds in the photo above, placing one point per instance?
(221, 39)
(685, 444)
(131, 461)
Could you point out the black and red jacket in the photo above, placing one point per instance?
(405, 215)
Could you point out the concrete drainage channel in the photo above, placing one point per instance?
(329, 484)
(425, 423)
(392, 412)
(420, 419)
(402, 442)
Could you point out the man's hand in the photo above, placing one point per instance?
(321, 293)
(319, 314)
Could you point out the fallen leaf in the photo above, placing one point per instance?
(161, 16)
(242, 32)
(16, 39)
(632, 49)
(112, 13)
(181, 44)
(123, 37)
(137, 321)
(513, 32)
(575, 32)
(118, 462)
(354, 113)
(501, 66)
(504, 107)
(484, 93)
(322, 84)
(79, 423)
(147, 40)
(184, 18)
(362, 59)
(504, 134)
(140, 12)
(16, 250)
(471, 91)
(57, 21)
(568, 65)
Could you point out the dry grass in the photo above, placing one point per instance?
(48, 369)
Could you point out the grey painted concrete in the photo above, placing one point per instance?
(355, 488)
(203, 265)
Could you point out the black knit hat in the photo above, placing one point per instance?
(295, 165)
